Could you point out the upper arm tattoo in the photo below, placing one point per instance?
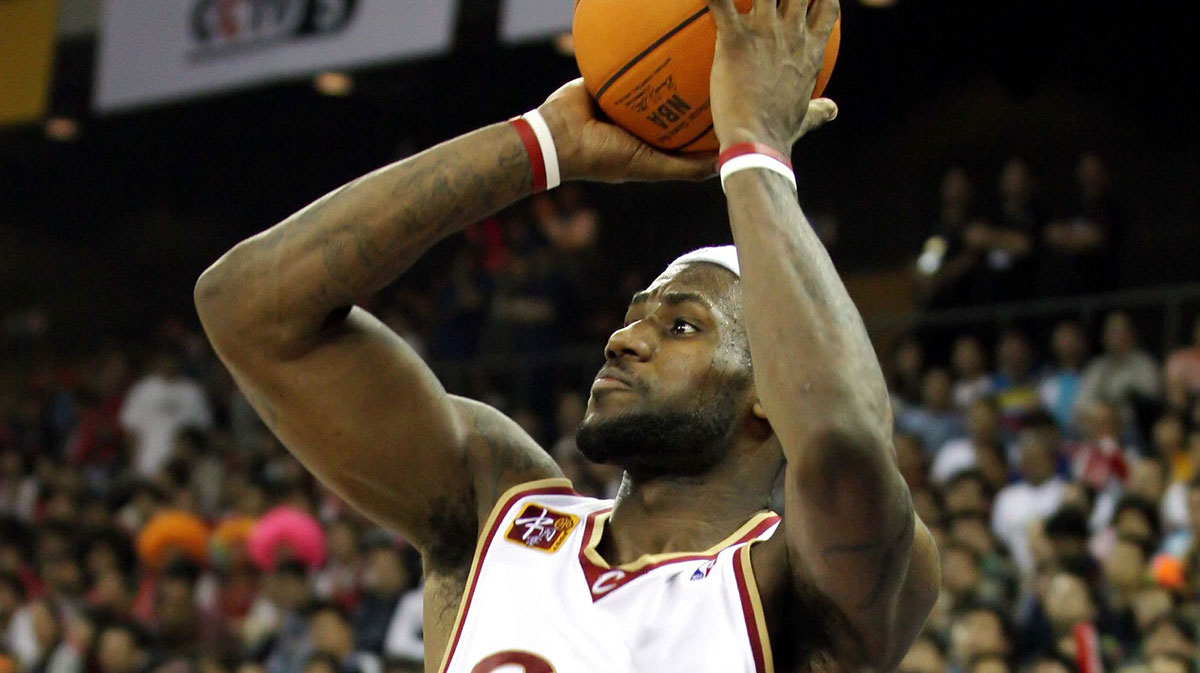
(502, 455)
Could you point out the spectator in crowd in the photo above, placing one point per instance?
(1169, 440)
(998, 581)
(385, 579)
(1037, 495)
(1181, 502)
(1100, 459)
(1172, 635)
(330, 634)
(340, 581)
(1183, 372)
(912, 460)
(18, 487)
(182, 628)
(962, 572)
(55, 653)
(968, 492)
(1059, 386)
(935, 421)
(927, 655)
(16, 620)
(972, 380)
(906, 372)
(1006, 243)
(405, 640)
(1125, 571)
(1014, 383)
(947, 265)
(982, 448)
(1078, 248)
(96, 441)
(1067, 602)
(157, 407)
(1184, 543)
(275, 628)
(1123, 375)
(1066, 535)
(121, 647)
(979, 629)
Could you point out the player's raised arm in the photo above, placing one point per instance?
(852, 537)
(343, 392)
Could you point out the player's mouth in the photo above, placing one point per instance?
(610, 379)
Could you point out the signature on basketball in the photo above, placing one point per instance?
(653, 96)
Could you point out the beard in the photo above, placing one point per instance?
(674, 441)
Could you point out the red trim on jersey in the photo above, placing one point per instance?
(752, 625)
(486, 544)
(620, 577)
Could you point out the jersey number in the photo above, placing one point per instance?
(530, 663)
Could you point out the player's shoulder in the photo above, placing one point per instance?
(501, 455)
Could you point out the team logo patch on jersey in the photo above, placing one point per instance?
(540, 527)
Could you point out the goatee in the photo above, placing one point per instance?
(671, 441)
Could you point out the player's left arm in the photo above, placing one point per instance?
(851, 535)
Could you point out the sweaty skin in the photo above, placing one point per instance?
(849, 580)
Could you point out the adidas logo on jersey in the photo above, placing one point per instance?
(540, 527)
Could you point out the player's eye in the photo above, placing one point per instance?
(681, 326)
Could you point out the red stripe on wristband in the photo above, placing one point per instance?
(742, 149)
(534, 149)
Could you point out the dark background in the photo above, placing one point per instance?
(108, 233)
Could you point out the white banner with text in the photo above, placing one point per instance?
(153, 51)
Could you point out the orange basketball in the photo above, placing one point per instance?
(647, 63)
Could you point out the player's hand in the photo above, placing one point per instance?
(765, 69)
(592, 149)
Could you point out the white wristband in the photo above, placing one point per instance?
(748, 161)
(549, 152)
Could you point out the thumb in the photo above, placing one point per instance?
(820, 112)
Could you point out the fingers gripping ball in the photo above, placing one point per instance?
(648, 62)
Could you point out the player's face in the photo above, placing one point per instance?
(676, 376)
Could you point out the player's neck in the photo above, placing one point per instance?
(668, 514)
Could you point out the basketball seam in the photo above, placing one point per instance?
(693, 141)
(637, 59)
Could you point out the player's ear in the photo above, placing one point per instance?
(757, 425)
(758, 410)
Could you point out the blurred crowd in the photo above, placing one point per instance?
(1013, 244)
(149, 522)
(1064, 494)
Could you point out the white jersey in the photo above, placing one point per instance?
(540, 599)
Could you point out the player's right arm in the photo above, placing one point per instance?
(343, 392)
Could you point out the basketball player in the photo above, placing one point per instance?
(731, 366)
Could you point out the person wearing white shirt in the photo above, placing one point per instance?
(157, 407)
(959, 455)
(1036, 496)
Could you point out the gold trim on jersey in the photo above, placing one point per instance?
(644, 560)
(481, 543)
(743, 557)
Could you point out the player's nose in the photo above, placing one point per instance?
(635, 339)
